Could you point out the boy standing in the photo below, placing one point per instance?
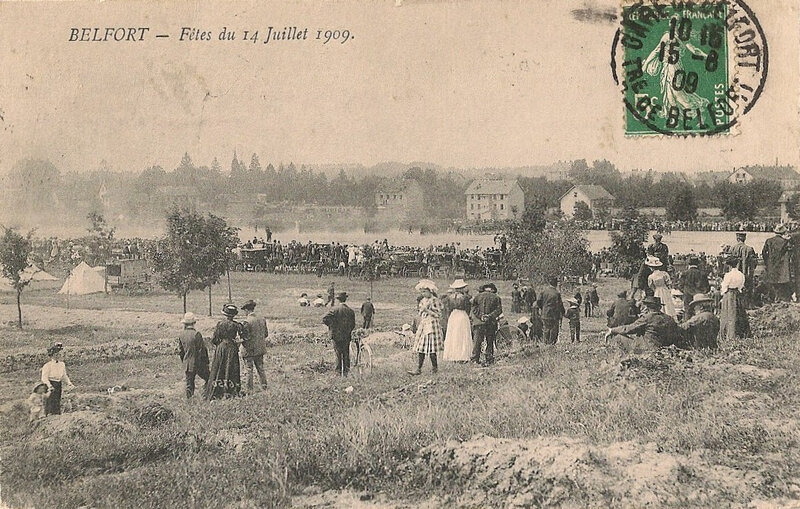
(574, 316)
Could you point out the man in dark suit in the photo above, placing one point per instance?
(193, 353)
(486, 309)
(552, 308)
(776, 260)
(367, 312)
(622, 312)
(341, 320)
(693, 281)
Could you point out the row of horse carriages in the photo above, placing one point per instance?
(392, 263)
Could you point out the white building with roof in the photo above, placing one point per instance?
(593, 196)
(498, 199)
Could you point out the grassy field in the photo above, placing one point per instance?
(569, 425)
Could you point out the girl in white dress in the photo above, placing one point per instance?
(458, 340)
(660, 282)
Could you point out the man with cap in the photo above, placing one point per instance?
(367, 312)
(254, 344)
(341, 320)
(702, 329)
(692, 282)
(656, 328)
(486, 308)
(192, 351)
(748, 261)
(659, 250)
(776, 260)
(552, 311)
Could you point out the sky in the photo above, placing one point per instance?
(465, 84)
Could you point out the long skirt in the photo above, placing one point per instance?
(733, 320)
(225, 379)
(430, 337)
(458, 340)
(52, 405)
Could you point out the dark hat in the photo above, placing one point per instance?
(230, 310)
(622, 294)
(693, 260)
(341, 296)
(651, 301)
(490, 286)
(741, 234)
(250, 304)
(658, 236)
(55, 349)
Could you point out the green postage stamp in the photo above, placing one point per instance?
(688, 68)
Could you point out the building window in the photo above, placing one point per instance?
(471, 206)
(575, 194)
(502, 207)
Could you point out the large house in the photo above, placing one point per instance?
(494, 199)
(786, 176)
(401, 196)
(593, 196)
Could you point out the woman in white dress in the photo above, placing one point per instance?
(660, 282)
(458, 340)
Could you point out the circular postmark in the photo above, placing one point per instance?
(688, 68)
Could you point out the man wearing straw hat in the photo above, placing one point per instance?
(341, 320)
(659, 250)
(192, 352)
(702, 329)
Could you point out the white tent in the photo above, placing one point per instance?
(83, 280)
(32, 273)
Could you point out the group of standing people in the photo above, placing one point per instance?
(231, 339)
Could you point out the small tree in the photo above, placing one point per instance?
(539, 250)
(582, 212)
(14, 252)
(102, 236)
(793, 206)
(196, 252)
(681, 205)
(739, 204)
(627, 244)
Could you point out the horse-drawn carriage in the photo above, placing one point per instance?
(254, 259)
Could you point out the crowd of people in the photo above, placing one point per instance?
(661, 224)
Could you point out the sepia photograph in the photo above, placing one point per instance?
(400, 254)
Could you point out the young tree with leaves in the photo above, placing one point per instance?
(196, 254)
(681, 204)
(102, 236)
(627, 244)
(15, 249)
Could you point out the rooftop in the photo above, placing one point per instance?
(771, 172)
(591, 191)
(491, 186)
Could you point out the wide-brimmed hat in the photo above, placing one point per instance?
(458, 284)
(189, 318)
(693, 260)
(653, 261)
(651, 301)
(523, 319)
(572, 301)
(39, 384)
(779, 229)
(342, 296)
(700, 297)
(675, 292)
(657, 236)
(741, 234)
(230, 310)
(489, 286)
(405, 327)
(57, 347)
(426, 283)
(250, 304)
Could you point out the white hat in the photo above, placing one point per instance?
(458, 283)
(189, 318)
(675, 292)
(406, 327)
(426, 283)
(653, 261)
(523, 319)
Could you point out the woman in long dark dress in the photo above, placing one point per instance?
(225, 379)
(734, 322)
(54, 373)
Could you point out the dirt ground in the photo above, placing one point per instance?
(569, 425)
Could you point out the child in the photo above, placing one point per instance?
(37, 400)
(574, 316)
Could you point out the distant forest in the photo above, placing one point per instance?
(36, 186)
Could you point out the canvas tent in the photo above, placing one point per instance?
(83, 280)
(32, 273)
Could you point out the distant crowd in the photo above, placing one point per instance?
(700, 226)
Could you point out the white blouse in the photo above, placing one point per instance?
(55, 370)
(733, 280)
